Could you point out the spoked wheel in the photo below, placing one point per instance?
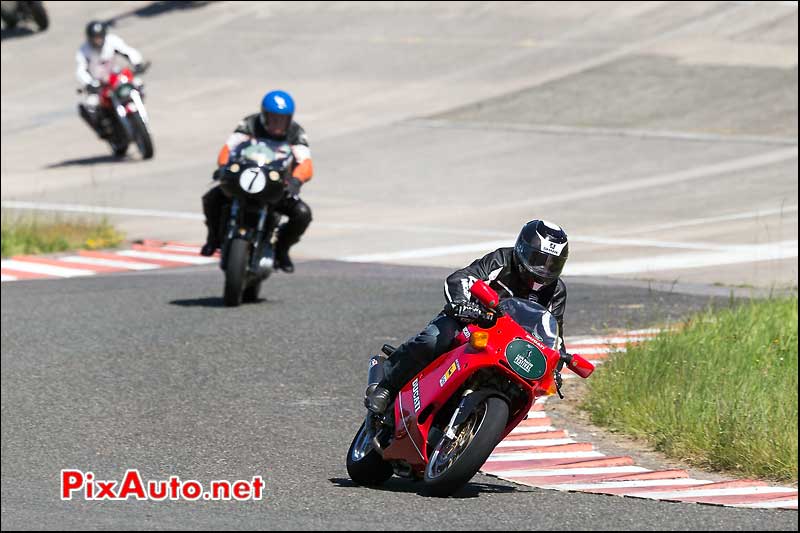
(454, 462)
(364, 465)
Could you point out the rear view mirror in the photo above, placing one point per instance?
(485, 294)
(581, 366)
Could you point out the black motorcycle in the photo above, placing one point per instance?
(255, 180)
(15, 12)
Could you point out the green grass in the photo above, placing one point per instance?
(719, 393)
(39, 235)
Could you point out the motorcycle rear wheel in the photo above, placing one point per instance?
(364, 465)
(236, 272)
(453, 463)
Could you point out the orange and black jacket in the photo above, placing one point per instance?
(251, 126)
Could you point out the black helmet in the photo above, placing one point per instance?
(540, 253)
(96, 34)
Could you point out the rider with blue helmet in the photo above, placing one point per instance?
(274, 121)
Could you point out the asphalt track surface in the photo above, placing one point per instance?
(149, 371)
(661, 133)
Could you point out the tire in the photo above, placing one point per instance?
(488, 423)
(236, 272)
(369, 469)
(141, 136)
(119, 150)
(251, 293)
(39, 15)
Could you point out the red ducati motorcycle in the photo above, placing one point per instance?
(445, 423)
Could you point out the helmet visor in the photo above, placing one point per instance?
(538, 266)
(275, 124)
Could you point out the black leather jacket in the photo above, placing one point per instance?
(499, 271)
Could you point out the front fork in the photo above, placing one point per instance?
(459, 415)
(255, 260)
(230, 232)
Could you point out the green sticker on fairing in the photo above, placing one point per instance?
(526, 359)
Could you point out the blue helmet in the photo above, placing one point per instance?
(277, 109)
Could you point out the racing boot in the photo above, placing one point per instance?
(211, 245)
(282, 259)
(212, 208)
(377, 400)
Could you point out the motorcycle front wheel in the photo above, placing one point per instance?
(236, 272)
(454, 462)
(141, 136)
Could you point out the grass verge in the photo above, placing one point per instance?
(719, 393)
(38, 235)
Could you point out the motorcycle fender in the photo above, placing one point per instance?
(138, 105)
(473, 400)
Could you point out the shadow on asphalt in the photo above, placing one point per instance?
(85, 161)
(155, 9)
(211, 301)
(471, 490)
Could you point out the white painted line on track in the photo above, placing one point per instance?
(436, 251)
(537, 414)
(50, 270)
(671, 178)
(749, 254)
(199, 260)
(774, 504)
(6, 277)
(532, 456)
(712, 220)
(708, 254)
(701, 493)
(599, 131)
(638, 484)
(130, 265)
(100, 210)
(571, 471)
(533, 429)
(534, 443)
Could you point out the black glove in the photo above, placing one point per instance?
(93, 87)
(470, 313)
(141, 68)
(293, 186)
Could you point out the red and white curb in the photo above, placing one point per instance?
(145, 255)
(538, 454)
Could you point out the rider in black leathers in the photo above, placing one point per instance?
(530, 270)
